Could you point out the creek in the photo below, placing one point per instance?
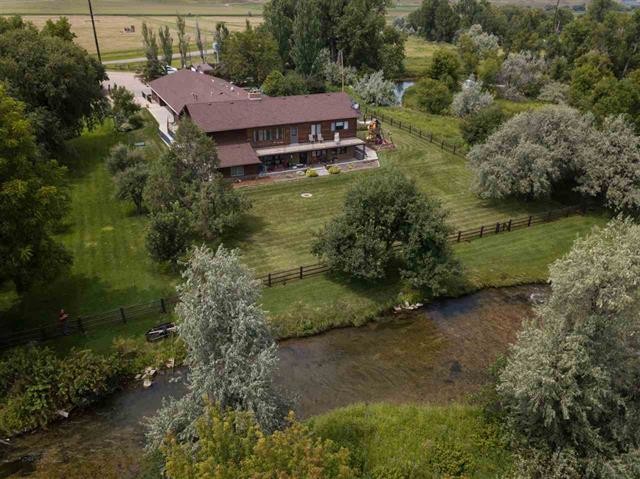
(437, 354)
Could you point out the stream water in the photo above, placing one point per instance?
(401, 88)
(436, 354)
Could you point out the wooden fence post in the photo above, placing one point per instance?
(301, 275)
(497, 228)
(481, 230)
(529, 223)
(43, 335)
(80, 325)
(122, 315)
(454, 149)
(163, 307)
(410, 128)
(459, 236)
(509, 227)
(430, 137)
(269, 280)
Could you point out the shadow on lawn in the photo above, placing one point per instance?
(77, 294)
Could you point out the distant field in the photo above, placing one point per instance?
(113, 38)
(129, 7)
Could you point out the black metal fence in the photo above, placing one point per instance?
(413, 130)
(82, 324)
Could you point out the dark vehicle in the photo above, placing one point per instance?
(161, 331)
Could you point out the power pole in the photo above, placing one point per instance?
(95, 35)
(341, 63)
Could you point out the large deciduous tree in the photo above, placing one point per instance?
(250, 55)
(569, 389)
(305, 37)
(57, 80)
(153, 67)
(230, 351)
(33, 202)
(166, 44)
(379, 211)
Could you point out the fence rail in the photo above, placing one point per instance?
(413, 130)
(122, 315)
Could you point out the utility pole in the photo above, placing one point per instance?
(341, 63)
(95, 35)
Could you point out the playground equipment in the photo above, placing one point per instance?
(375, 136)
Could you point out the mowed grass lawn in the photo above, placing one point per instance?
(280, 228)
(110, 263)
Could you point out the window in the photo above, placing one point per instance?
(342, 150)
(268, 134)
(339, 125)
(237, 171)
(316, 128)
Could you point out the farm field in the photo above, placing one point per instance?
(113, 38)
(125, 7)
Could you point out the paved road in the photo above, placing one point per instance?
(195, 53)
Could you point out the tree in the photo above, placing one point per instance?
(598, 9)
(130, 184)
(445, 67)
(250, 55)
(435, 20)
(62, 89)
(568, 390)
(200, 42)
(220, 37)
(183, 40)
(475, 45)
(169, 234)
(479, 126)
(611, 168)
(277, 84)
(433, 96)
(392, 52)
(123, 105)
(555, 92)
(379, 211)
(166, 44)
(225, 331)
(470, 99)
(60, 28)
(33, 202)
(374, 89)
(279, 16)
(292, 452)
(194, 151)
(306, 42)
(217, 207)
(522, 74)
(122, 157)
(153, 68)
(531, 153)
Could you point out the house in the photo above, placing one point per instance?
(257, 134)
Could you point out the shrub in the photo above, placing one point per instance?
(522, 74)
(130, 184)
(477, 127)
(432, 96)
(470, 99)
(122, 157)
(374, 89)
(445, 67)
(334, 170)
(277, 84)
(554, 92)
(35, 384)
(311, 173)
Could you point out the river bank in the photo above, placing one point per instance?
(438, 355)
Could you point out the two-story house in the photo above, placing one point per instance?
(256, 134)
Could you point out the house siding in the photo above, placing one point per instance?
(304, 130)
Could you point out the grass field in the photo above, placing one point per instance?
(127, 7)
(418, 53)
(391, 441)
(111, 267)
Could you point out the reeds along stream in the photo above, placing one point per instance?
(438, 354)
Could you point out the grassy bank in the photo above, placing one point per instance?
(388, 441)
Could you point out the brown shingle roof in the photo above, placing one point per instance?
(186, 86)
(270, 111)
(237, 154)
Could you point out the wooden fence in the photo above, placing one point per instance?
(413, 130)
(82, 324)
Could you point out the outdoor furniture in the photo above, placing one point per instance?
(162, 331)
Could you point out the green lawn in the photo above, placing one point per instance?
(111, 266)
(439, 441)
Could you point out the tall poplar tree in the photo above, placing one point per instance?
(306, 40)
